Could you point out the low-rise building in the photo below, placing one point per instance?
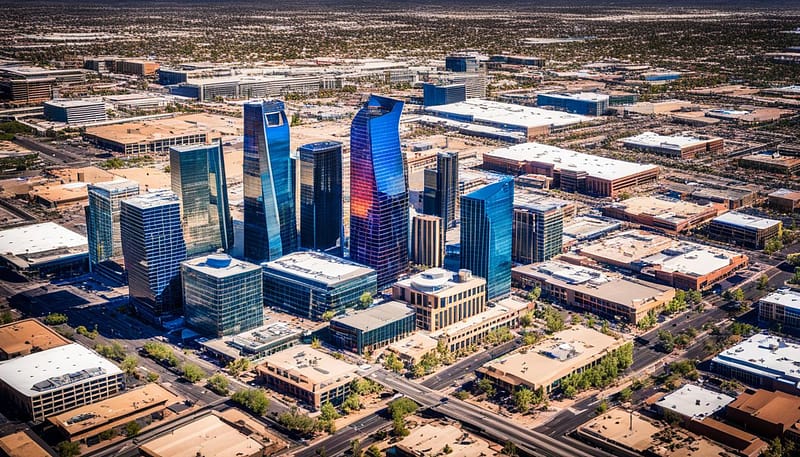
(547, 363)
(373, 328)
(586, 103)
(22, 443)
(608, 294)
(473, 330)
(75, 111)
(254, 344)
(412, 349)
(773, 162)
(44, 250)
(782, 308)
(431, 440)
(762, 361)
(692, 402)
(679, 146)
(309, 375)
(23, 337)
(661, 213)
(59, 379)
(744, 230)
(785, 200)
(766, 413)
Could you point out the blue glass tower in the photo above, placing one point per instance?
(198, 177)
(153, 247)
(321, 195)
(270, 227)
(102, 219)
(378, 190)
(486, 228)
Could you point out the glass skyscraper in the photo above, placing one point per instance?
(270, 227)
(378, 190)
(538, 232)
(222, 296)
(441, 188)
(486, 227)
(153, 246)
(321, 196)
(102, 219)
(198, 178)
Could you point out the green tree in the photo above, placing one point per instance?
(738, 295)
(328, 315)
(192, 372)
(55, 319)
(132, 429)
(351, 403)
(523, 398)
(602, 407)
(486, 386)
(114, 351)
(763, 282)
(554, 321)
(510, 449)
(218, 383)
(238, 366)
(374, 451)
(129, 365)
(297, 423)
(365, 300)
(68, 449)
(772, 246)
(6, 317)
(402, 407)
(152, 376)
(253, 399)
(391, 362)
(526, 320)
(625, 395)
(534, 294)
(316, 343)
(447, 449)
(355, 448)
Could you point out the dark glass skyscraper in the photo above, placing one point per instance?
(321, 196)
(102, 219)
(270, 227)
(378, 190)
(198, 177)
(153, 247)
(486, 221)
(441, 188)
(538, 232)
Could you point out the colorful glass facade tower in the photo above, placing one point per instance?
(486, 228)
(378, 190)
(321, 197)
(198, 178)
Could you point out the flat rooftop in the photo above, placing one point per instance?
(557, 356)
(612, 287)
(663, 207)
(11, 149)
(376, 316)
(114, 409)
(208, 436)
(507, 113)
(565, 159)
(784, 297)
(256, 340)
(742, 220)
(694, 401)
(306, 362)
(430, 440)
(674, 142)
(23, 336)
(74, 103)
(590, 227)
(628, 246)
(116, 185)
(691, 259)
(21, 444)
(786, 193)
(318, 267)
(220, 265)
(415, 345)
(435, 280)
(214, 126)
(36, 238)
(583, 96)
(766, 356)
(153, 199)
(55, 368)
(503, 307)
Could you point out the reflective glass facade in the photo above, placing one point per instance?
(486, 228)
(538, 233)
(102, 219)
(378, 190)
(198, 178)
(321, 196)
(270, 228)
(153, 246)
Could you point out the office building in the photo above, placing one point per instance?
(254, 344)
(781, 308)
(24, 337)
(370, 329)
(461, 63)
(572, 171)
(311, 376)
(321, 196)
(443, 94)
(198, 178)
(378, 190)
(102, 219)
(427, 240)
(222, 296)
(442, 439)
(607, 294)
(744, 230)
(529, 61)
(785, 200)
(773, 162)
(547, 363)
(23, 443)
(664, 214)
(441, 298)
(43, 250)
(308, 284)
(471, 332)
(537, 232)
(676, 146)
(586, 103)
(767, 413)
(75, 111)
(692, 402)
(270, 228)
(27, 85)
(486, 230)
(412, 349)
(441, 189)
(58, 379)
(153, 248)
(763, 361)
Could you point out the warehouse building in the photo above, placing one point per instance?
(676, 146)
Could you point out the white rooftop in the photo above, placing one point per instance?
(54, 367)
(74, 103)
(505, 306)
(675, 142)
(695, 401)
(563, 159)
(586, 96)
(116, 184)
(784, 297)
(691, 258)
(153, 199)
(746, 220)
(766, 356)
(31, 239)
(220, 265)
(318, 267)
(508, 113)
(376, 316)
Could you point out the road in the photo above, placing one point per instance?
(340, 441)
(468, 365)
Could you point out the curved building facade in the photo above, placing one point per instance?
(378, 190)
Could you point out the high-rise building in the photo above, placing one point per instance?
(270, 228)
(447, 187)
(427, 240)
(486, 229)
(102, 219)
(321, 196)
(379, 190)
(222, 296)
(198, 178)
(538, 233)
(461, 63)
(153, 246)
(443, 94)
